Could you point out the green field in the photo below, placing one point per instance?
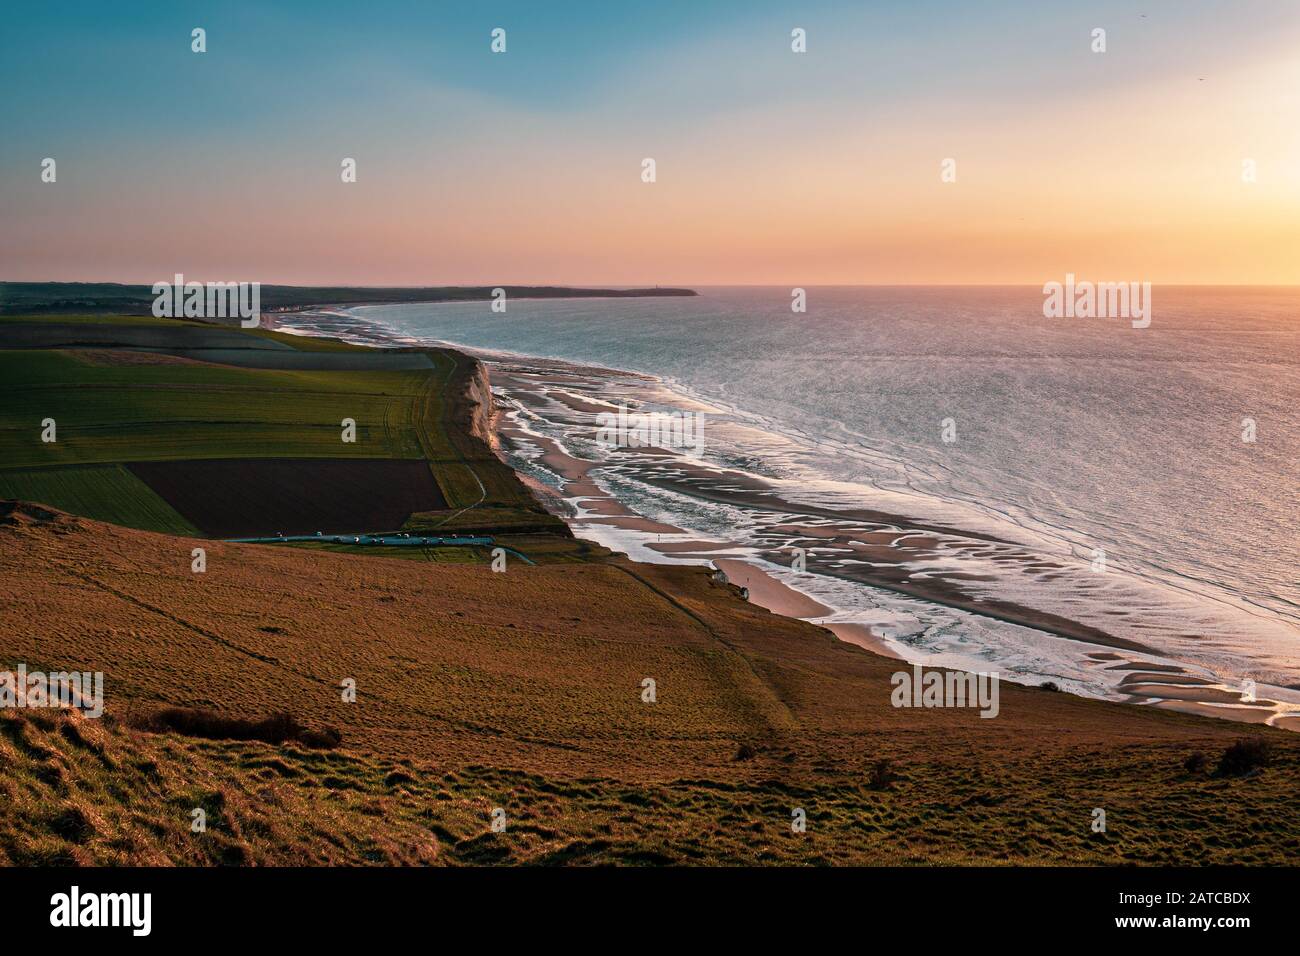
(112, 406)
(105, 492)
(95, 319)
(165, 412)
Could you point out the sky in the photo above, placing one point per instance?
(772, 167)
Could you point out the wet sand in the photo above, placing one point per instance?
(863, 637)
(767, 591)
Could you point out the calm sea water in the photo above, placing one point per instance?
(1078, 435)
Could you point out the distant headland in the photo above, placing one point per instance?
(112, 297)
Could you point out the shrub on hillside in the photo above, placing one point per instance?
(327, 738)
(278, 728)
(881, 776)
(1195, 763)
(1244, 757)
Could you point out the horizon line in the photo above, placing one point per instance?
(688, 286)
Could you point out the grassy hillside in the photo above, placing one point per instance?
(522, 690)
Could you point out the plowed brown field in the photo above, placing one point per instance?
(255, 497)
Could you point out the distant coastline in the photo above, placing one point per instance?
(110, 297)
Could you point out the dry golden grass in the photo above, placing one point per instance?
(94, 793)
(522, 690)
